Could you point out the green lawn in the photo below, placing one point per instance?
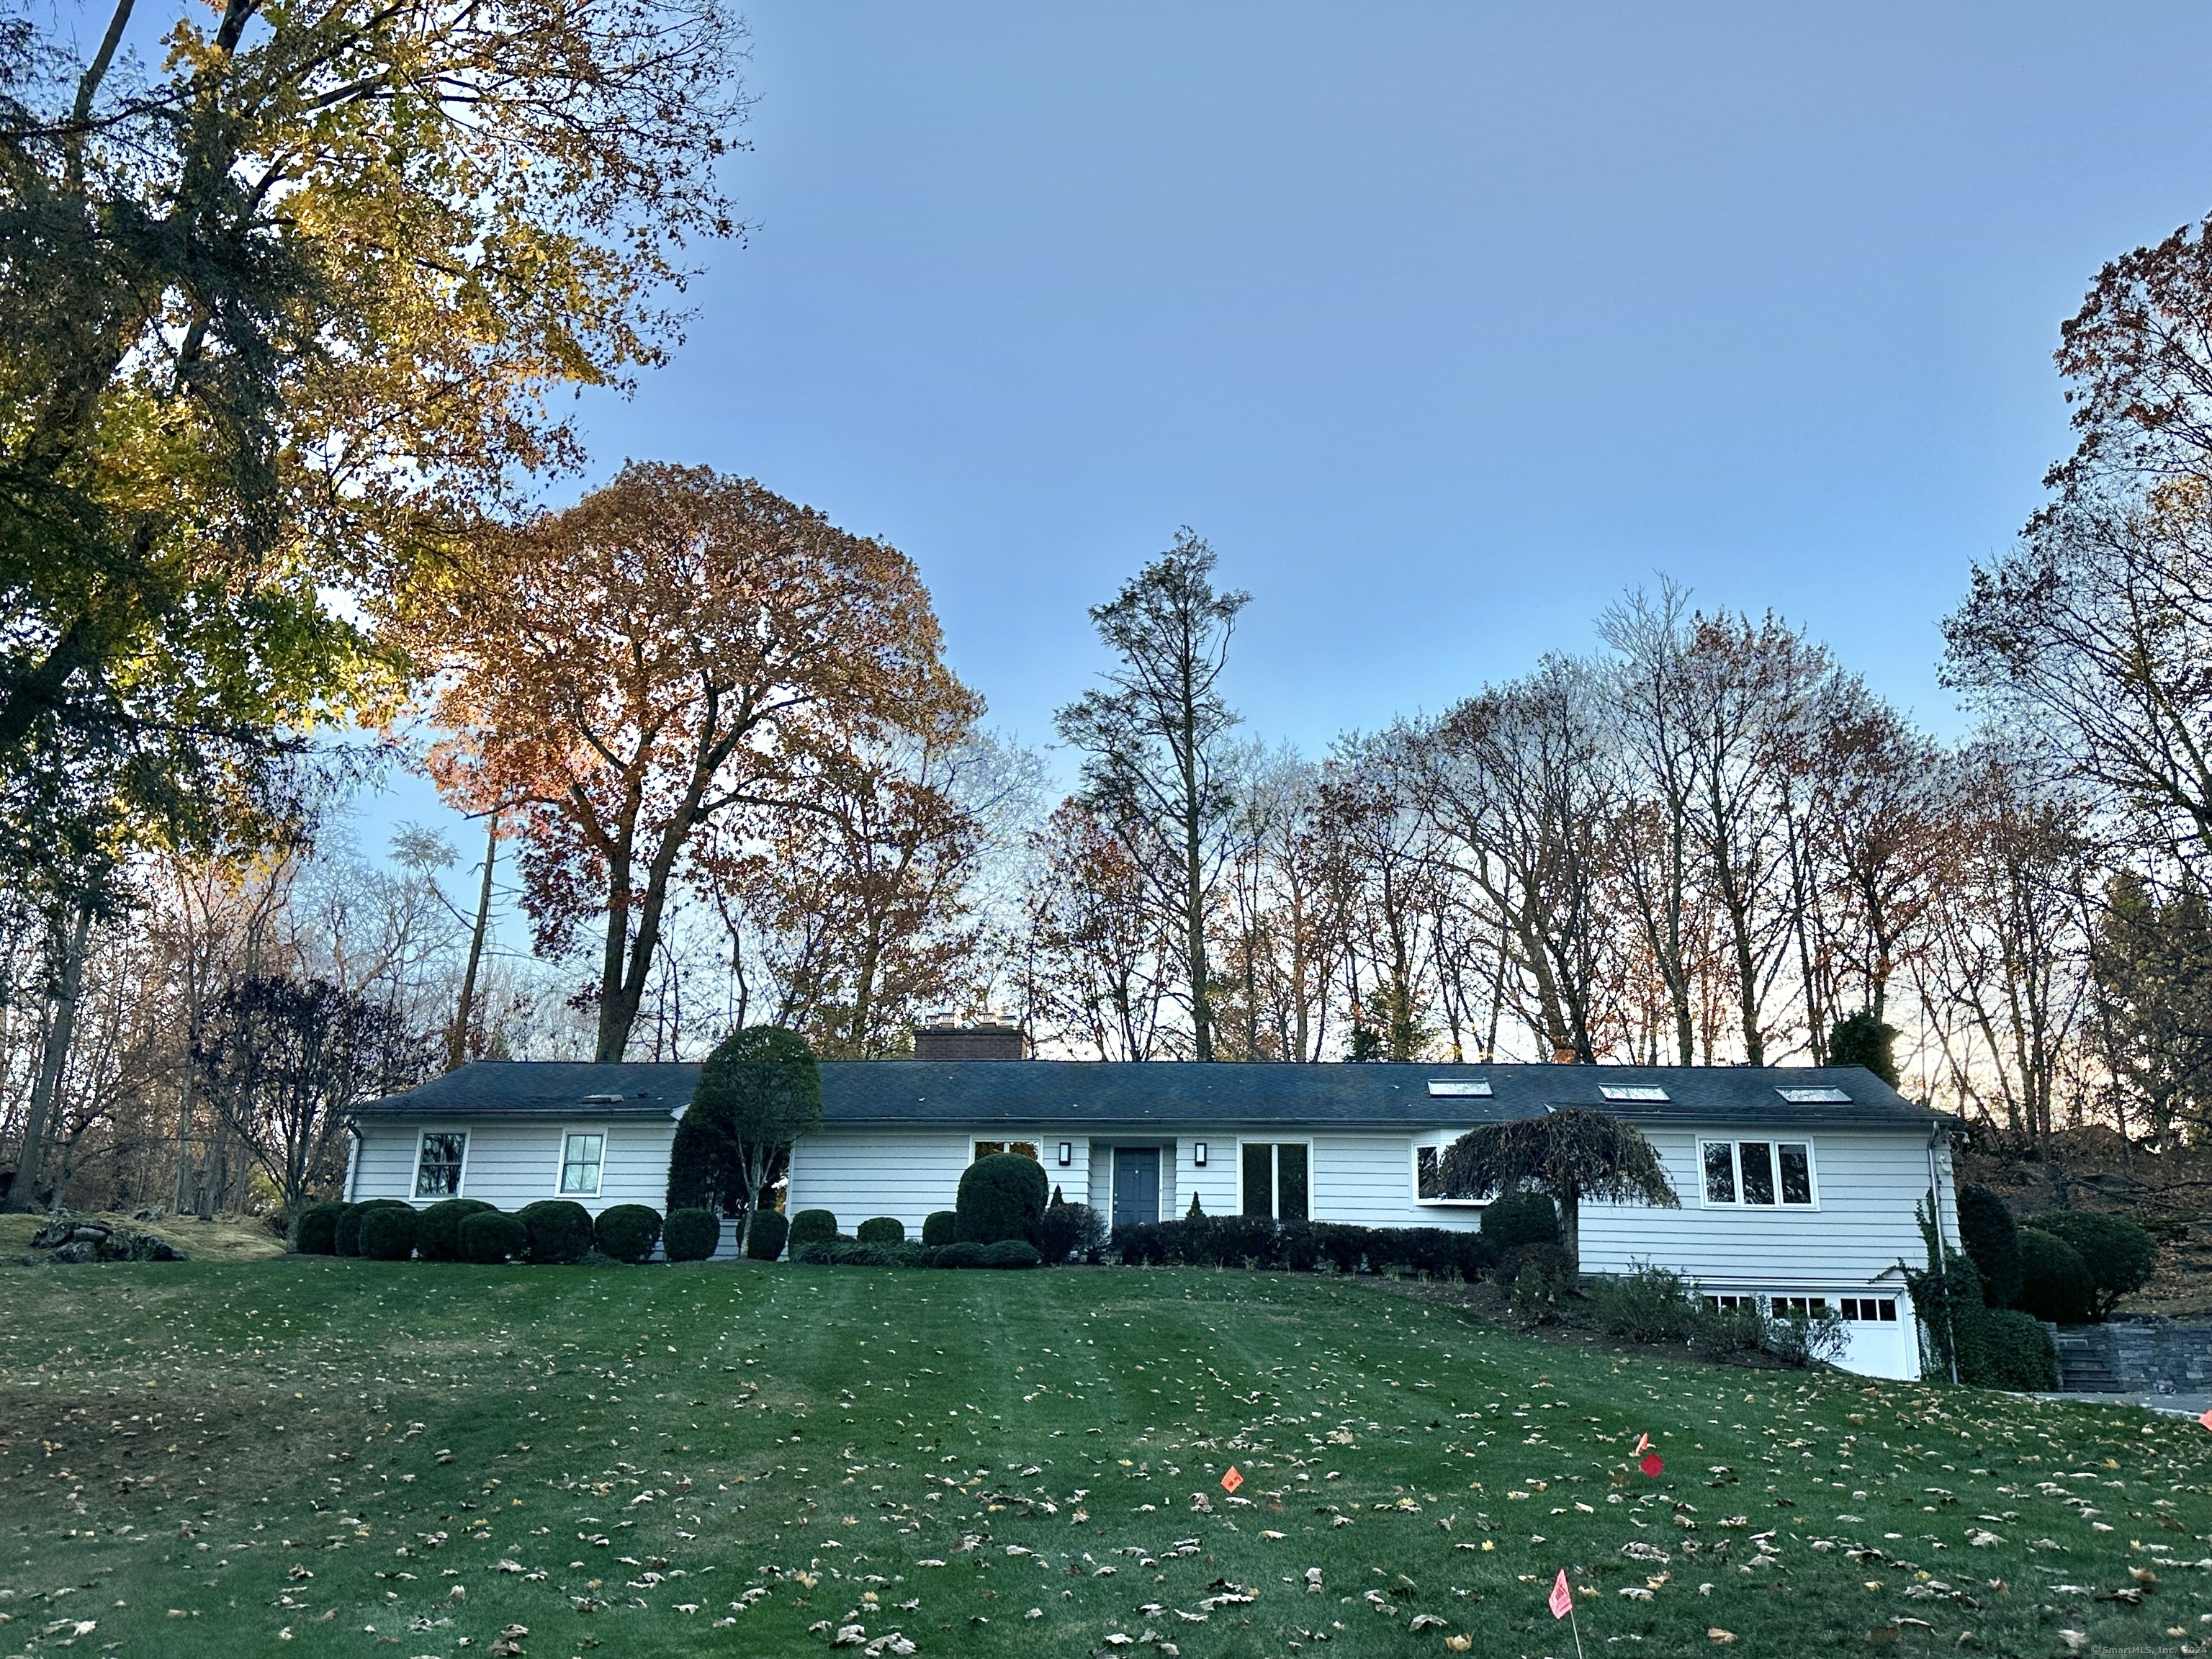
(230, 1459)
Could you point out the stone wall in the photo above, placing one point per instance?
(2145, 1355)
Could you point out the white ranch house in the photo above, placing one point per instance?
(1796, 1184)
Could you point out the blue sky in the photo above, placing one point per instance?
(1444, 324)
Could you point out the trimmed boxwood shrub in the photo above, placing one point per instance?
(2118, 1254)
(1011, 1253)
(438, 1228)
(939, 1227)
(690, 1235)
(348, 1236)
(559, 1230)
(853, 1253)
(961, 1253)
(627, 1232)
(812, 1227)
(1517, 1219)
(1001, 1197)
(1986, 1229)
(319, 1229)
(881, 1229)
(491, 1236)
(764, 1239)
(2006, 1348)
(388, 1234)
(2054, 1281)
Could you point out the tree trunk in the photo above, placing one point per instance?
(23, 1193)
(457, 1041)
(1570, 1228)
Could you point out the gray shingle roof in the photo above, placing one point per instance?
(1121, 1096)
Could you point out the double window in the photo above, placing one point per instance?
(583, 1152)
(1275, 1179)
(438, 1160)
(1757, 1174)
(1019, 1148)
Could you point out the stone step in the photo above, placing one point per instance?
(2083, 1367)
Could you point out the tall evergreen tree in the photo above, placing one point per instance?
(1156, 739)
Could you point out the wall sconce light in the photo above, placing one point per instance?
(1066, 1154)
(1198, 1153)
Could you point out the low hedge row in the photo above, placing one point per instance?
(857, 1253)
(1236, 1240)
(551, 1231)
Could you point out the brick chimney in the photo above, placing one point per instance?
(943, 1037)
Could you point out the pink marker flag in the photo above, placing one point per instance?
(1643, 1444)
(2206, 1420)
(1563, 1599)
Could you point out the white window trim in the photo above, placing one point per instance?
(1422, 1143)
(415, 1173)
(1777, 1141)
(1275, 1174)
(560, 1158)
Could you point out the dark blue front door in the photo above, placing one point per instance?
(1136, 1185)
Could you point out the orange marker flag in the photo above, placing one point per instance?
(1232, 1480)
(1642, 1445)
(1563, 1599)
(2206, 1420)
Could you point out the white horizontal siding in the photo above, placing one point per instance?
(1867, 1183)
(1368, 1179)
(513, 1163)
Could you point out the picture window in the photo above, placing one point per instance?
(1428, 1178)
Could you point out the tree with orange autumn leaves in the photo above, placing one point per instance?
(678, 650)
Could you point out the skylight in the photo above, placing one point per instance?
(1632, 1091)
(600, 1100)
(1812, 1097)
(1459, 1088)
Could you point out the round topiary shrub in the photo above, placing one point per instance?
(2054, 1281)
(2119, 1254)
(939, 1227)
(438, 1228)
(1514, 1219)
(627, 1232)
(347, 1239)
(691, 1235)
(318, 1233)
(961, 1253)
(559, 1230)
(388, 1234)
(491, 1236)
(764, 1239)
(812, 1227)
(881, 1229)
(1011, 1253)
(1001, 1197)
(2005, 1348)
